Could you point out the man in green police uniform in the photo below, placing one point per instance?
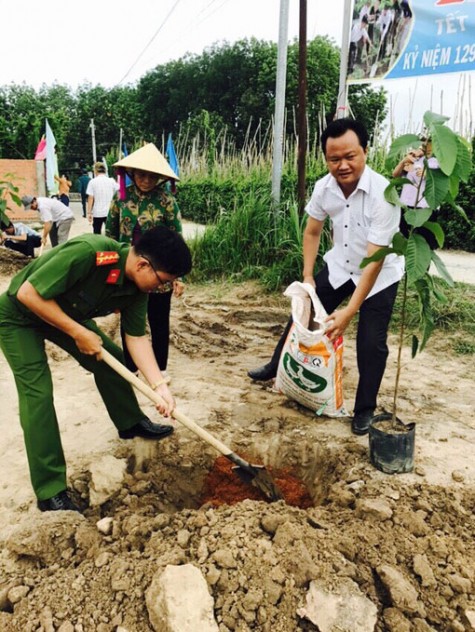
(55, 298)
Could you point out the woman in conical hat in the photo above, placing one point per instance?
(145, 203)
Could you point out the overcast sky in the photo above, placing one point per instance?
(116, 42)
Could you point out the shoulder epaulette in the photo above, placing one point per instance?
(106, 258)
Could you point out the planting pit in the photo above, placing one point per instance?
(187, 474)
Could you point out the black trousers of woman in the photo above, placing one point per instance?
(371, 338)
(159, 322)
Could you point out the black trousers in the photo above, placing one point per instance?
(25, 247)
(159, 322)
(84, 203)
(371, 338)
(97, 223)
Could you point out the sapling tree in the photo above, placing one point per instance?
(7, 190)
(453, 155)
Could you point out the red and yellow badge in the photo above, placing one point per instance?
(113, 276)
(105, 258)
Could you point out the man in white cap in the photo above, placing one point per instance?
(56, 217)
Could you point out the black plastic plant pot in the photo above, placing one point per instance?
(391, 450)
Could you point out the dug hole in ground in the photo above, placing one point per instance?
(371, 552)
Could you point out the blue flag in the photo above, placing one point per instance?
(128, 181)
(171, 155)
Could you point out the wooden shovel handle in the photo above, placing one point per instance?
(155, 397)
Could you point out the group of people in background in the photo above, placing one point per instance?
(378, 35)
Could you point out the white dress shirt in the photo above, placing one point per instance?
(102, 188)
(364, 217)
(52, 210)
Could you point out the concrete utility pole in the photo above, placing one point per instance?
(342, 102)
(277, 159)
(93, 136)
(302, 110)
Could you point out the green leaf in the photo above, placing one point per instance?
(441, 269)
(454, 185)
(399, 244)
(400, 146)
(445, 145)
(417, 217)
(464, 159)
(16, 199)
(440, 296)
(437, 187)
(426, 323)
(377, 256)
(418, 258)
(391, 194)
(437, 230)
(414, 346)
(431, 118)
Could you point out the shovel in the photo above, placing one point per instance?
(255, 474)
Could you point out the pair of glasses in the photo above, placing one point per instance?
(163, 286)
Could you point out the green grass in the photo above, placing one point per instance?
(252, 240)
(454, 319)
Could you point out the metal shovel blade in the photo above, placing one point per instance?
(257, 475)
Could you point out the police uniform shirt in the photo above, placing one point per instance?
(86, 277)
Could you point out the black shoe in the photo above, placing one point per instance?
(263, 373)
(361, 422)
(60, 502)
(147, 430)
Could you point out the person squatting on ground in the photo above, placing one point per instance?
(21, 238)
(147, 202)
(100, 192)
(55, 298)
(352, 196)
(56, 217)
(413, 168)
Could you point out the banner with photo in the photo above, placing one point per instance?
(410, 38)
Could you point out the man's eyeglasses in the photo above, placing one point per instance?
(163, 286)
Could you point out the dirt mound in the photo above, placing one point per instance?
(405, 542)
(11, 262)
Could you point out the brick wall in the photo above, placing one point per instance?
(29, 177)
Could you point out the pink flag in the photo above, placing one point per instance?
(41, 149)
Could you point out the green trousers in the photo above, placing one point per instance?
(23, 342)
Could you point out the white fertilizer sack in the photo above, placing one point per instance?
(311, 366)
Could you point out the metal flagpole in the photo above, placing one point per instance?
(342, 102)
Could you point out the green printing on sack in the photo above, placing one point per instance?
(302, 378)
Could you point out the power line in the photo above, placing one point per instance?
(153, 37)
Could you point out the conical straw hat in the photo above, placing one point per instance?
(148, 158)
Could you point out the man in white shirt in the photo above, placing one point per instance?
(359, 38)
(56, 217)
(352, 197)
(100, 192)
